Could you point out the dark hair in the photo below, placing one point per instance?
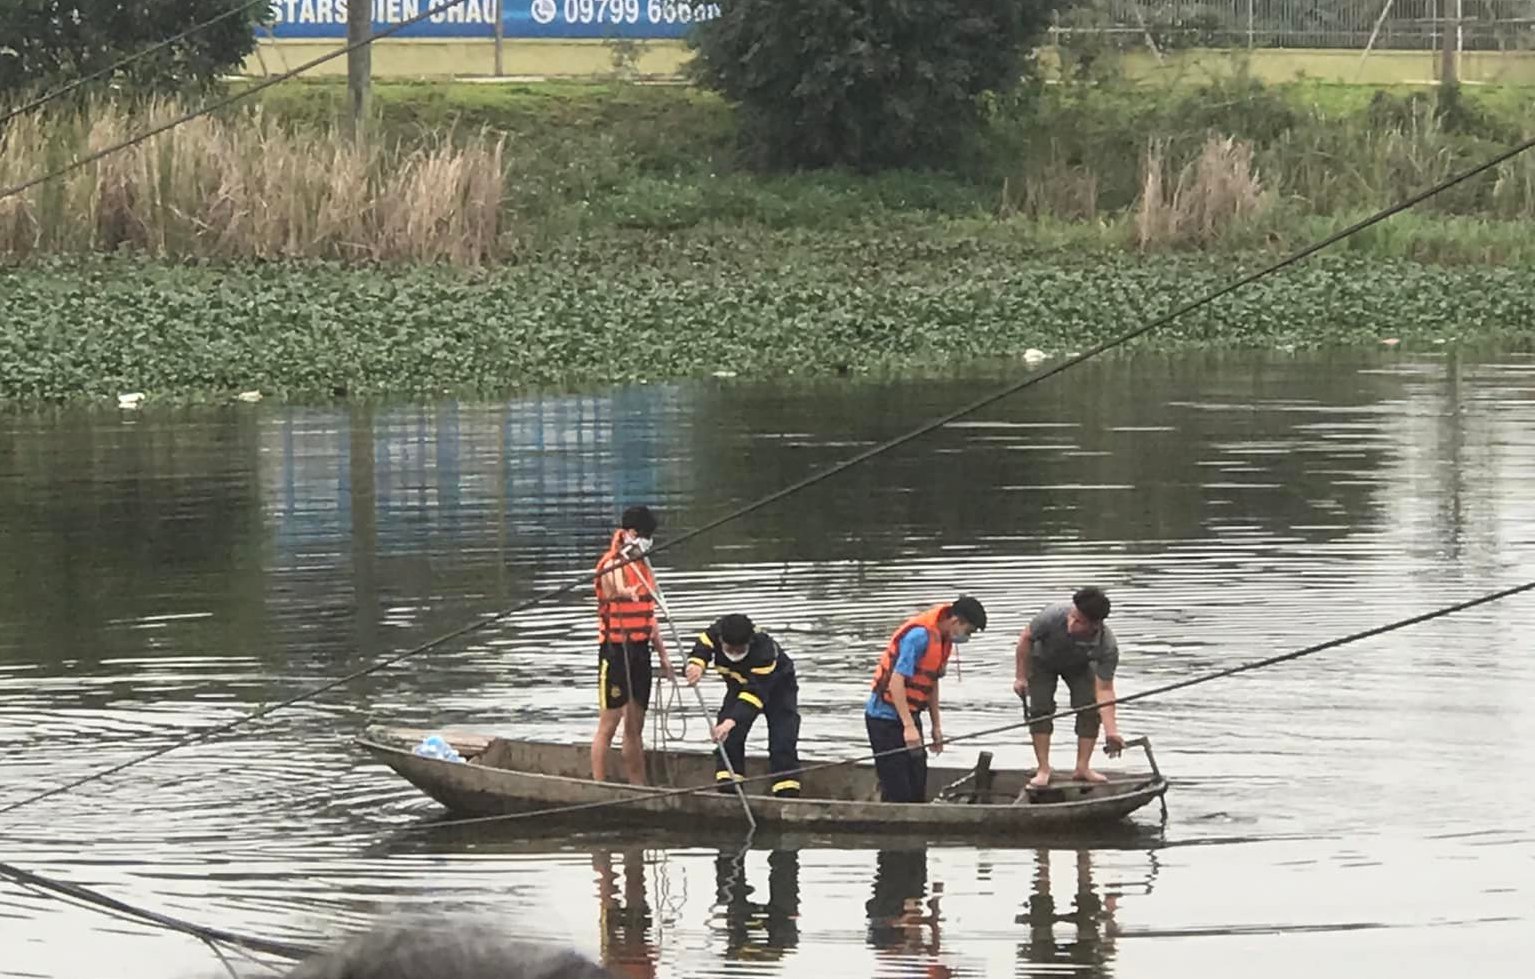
(641, 520)
(736, 629)
(445, 950)
(1092, 602)
(970, 610)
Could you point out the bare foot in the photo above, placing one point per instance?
(1041, 779)
(1088, 775)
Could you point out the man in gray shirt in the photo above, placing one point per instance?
(1070, 641)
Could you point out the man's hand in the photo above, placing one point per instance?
(692, 673)
(1113, 745)
(723, 728)
(667, 672)
(937, 740)
(1021, 688)
(911, 737)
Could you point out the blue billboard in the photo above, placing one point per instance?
(638, 19)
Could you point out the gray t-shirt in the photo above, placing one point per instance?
(1053, 648)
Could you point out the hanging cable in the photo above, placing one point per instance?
(640, 798)
(111, 905)
(244, 93)
(113, 69)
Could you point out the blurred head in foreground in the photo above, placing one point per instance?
(446, 951)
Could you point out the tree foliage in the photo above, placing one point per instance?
(48, 43)
(868, 84)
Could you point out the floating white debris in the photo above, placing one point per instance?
(724, 373)
(1033, 356)
(1390, 342)
(130, 401)
(250, 396)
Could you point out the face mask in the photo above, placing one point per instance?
(644, 544)
(735, 657)
(962, 637)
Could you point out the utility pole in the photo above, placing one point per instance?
(1447, 74)
(359, 67)
(500, 35)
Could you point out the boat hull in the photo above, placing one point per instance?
(508, 777)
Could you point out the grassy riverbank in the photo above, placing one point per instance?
(689, 305)
(495, 237)
(491, 173)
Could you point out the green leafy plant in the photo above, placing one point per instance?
(47, 43)
(867, 84)
(780, 304)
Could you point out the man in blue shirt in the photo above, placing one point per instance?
(905, 685)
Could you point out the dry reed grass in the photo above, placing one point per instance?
(245, 187)
(1215, 193)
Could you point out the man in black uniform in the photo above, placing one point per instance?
(759, 679)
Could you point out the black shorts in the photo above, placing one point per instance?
(622, 677)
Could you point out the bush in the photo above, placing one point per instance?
(867, 84)
(47, 43)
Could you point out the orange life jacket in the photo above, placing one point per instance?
(919, 686)
(623, 619)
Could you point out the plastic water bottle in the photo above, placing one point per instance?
(434, 746)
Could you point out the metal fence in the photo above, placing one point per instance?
(1412, 25)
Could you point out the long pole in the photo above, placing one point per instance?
(719, 746)
(359, 67)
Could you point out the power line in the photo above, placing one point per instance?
(112, 69)
(112, 906)
(186, 117)
(1165, 688)
(814, 478)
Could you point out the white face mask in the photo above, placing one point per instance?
(644, 544)
(735, 657)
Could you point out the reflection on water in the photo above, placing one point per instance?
(171, 568)
(1088, 921)
(1064, 918)
(623, 912)
(905, 917)
(761, 930)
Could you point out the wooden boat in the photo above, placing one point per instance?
(502, 776)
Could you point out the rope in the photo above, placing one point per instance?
(1003, 728)
(186, 117)
(749, 508)
(43, 100)
(212, 944)
(112, 906)
(223, 959)
(661, 733)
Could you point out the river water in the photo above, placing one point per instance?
(1364, 807)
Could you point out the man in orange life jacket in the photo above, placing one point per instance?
(759, 678)
(626, 622)
(905, 685)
